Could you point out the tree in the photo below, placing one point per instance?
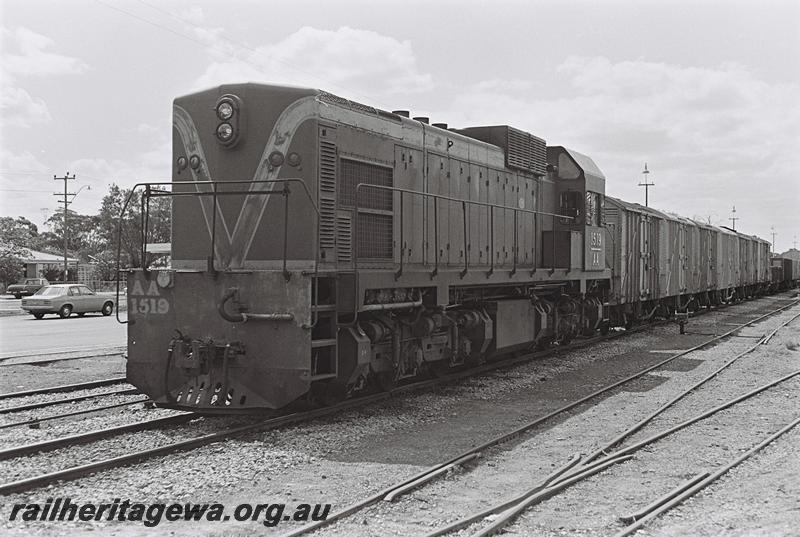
(16, 236)
(80, 232)
(159, 223)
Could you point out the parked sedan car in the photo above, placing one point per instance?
(66, 299)
(26, 287)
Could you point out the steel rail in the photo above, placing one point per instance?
(699, 417)
(79, 471)
(705, 482)
(583, 472)
(83, 438)
(518, 431)
(772, 334)
(464, 522)
(82, 470)
(649, 508)
(52, 360)
(42, 404)
(538, 497)
(71, 351)
(65, 388)
(631, 430)
(70, 414)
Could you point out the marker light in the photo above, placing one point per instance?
(225, 132)
(276, 158)
(293, 159)
(194, 162)
(182, 163)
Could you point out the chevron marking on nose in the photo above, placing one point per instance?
(234, 251)
(192, 146)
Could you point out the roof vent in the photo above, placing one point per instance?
(404, 113)
(441, 125)
(422, 119)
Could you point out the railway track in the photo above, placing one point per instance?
(603, 458)
(44, 358)
(271, 423)
(65, 388)
(563, 478)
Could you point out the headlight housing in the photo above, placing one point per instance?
(229, 111)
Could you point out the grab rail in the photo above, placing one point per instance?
(150, 192)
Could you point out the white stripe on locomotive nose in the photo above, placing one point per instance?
(254, 206)
(234, 251)
(187, 132)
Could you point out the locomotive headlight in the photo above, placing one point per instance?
(225, 110)
(225, 132)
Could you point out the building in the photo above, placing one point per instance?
(37, 263)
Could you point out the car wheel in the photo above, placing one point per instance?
(17, 296)
(65, 311)
(38, 315)
(108, 307)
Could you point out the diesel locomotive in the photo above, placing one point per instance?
(321, 247)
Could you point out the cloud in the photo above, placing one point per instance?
(24, 55)
(713, 136)
(193, 15)
(355, 62)
(30, 57)
(19, 109)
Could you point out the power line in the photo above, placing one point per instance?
(19, 190)
(229, 40)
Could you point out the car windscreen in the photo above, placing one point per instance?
(51, 291)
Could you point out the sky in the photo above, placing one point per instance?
(707, 93)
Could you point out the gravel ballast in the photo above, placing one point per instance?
(341, 459)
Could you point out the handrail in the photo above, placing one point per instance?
(151, 192)
(436, 197)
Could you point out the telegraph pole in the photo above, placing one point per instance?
(733, 217)
(646, 185)
(772, 228)
(66, 203)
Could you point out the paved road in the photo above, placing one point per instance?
(22, 334)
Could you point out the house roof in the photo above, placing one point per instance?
(44, 257)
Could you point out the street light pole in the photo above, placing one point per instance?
(733, 217)
(66, 180)
(646, 185)
(66, 201)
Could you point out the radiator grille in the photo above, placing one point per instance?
(523, 150)
(374, 236)
(327, 196)
(344, 237)
(354, 172)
